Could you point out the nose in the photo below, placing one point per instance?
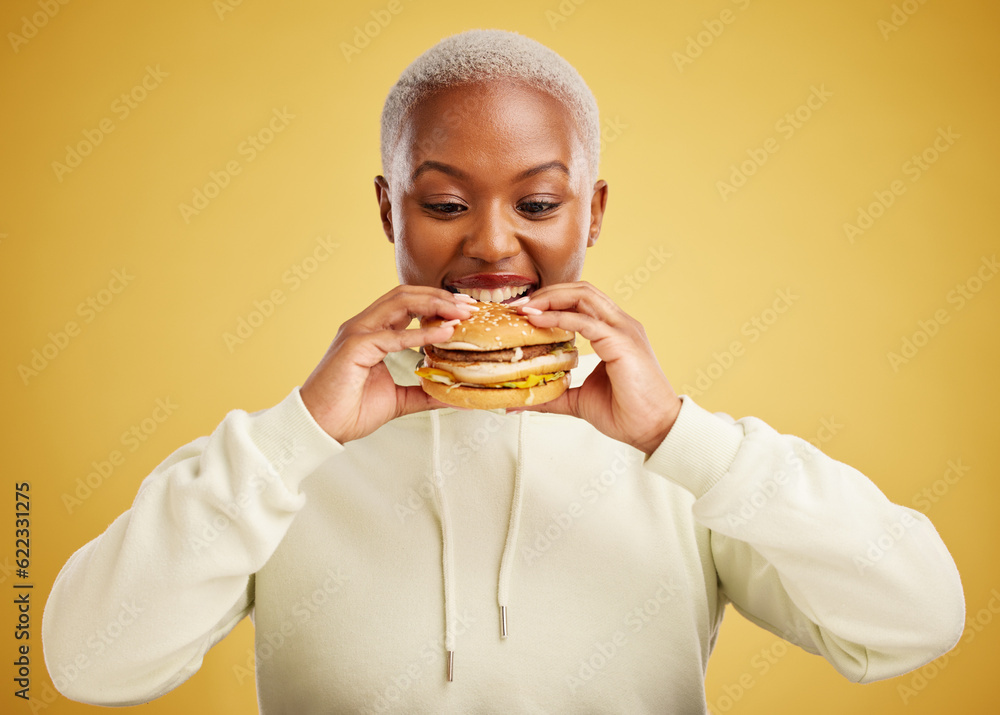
(492, 238)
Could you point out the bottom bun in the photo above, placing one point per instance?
(491, 398)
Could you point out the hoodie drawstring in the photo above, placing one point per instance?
(510, 548)
(447, 555)
(447, 551)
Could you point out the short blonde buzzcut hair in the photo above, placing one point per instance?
(482, 55)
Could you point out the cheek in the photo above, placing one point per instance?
(411, 263)
(421, 255)
(407, 258)
(571, 264)
(406, 267)
(561, 250)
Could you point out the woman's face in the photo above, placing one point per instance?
(490, 193)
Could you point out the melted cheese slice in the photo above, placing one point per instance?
(446, 378)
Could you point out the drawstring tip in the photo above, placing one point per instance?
(503, 621)
(451, 665)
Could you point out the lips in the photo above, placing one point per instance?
(492, 287)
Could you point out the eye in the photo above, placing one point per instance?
(536, 208)
(448, 209)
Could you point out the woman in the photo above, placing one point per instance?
(400, 555)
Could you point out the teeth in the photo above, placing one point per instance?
(497, 295)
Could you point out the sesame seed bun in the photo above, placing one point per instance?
(488, 398)
(496, 326)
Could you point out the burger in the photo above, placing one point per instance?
(497, 358)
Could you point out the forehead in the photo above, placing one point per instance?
(497, 128)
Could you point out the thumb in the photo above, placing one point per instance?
(565, 404)
(412, 399)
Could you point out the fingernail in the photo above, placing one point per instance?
(520, 301)
(528, 310)
(462, 297)
(450, 323)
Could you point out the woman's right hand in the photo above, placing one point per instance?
(350, 393)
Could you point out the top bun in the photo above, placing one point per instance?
(496, 326)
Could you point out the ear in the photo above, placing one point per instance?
(384, 207)
(598, 202)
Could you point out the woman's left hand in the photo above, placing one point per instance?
(627, 396)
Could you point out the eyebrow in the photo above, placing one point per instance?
(429, 165)
(549, 166)
(438, 166)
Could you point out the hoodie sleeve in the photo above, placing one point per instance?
(810, 549)
(133, 612)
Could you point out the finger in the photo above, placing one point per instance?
(412, 399)
(593, 329)
(398, 307)
(579, 297)
(384, 342)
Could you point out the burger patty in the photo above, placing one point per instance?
(507, 355)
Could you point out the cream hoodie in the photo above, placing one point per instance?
(364, 565)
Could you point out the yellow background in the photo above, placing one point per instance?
(674, 132)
